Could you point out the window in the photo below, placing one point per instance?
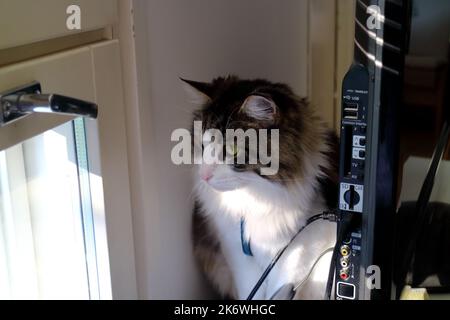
(48, 247)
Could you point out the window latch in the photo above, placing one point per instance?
(20, 102)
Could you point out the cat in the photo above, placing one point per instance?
(242, 218)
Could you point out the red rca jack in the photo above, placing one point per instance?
(343, 274)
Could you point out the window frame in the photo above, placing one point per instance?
(100, 68)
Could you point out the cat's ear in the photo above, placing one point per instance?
(199, 92)
(259, 108)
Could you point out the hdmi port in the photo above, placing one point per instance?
(351, 111)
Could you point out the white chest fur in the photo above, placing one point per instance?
(272, 217)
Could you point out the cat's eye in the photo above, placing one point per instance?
(233, 150)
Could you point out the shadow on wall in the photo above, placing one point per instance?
(430, 28)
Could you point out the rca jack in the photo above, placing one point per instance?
(344, 262)
(345, 250)
(344, 274)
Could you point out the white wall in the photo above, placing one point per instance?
(414, 173)
(199, 40)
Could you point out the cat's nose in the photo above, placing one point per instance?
(206, 176)
(206, 172)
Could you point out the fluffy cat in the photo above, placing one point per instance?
(234, 201)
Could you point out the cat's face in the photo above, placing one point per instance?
(268, 115)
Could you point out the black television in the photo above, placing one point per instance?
(369, 148)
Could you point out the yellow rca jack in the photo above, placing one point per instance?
(345, 250)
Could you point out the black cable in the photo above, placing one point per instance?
(326, 215)
(347, 222)
(422, 203)
(331, 272)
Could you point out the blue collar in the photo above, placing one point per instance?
(245, 243)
